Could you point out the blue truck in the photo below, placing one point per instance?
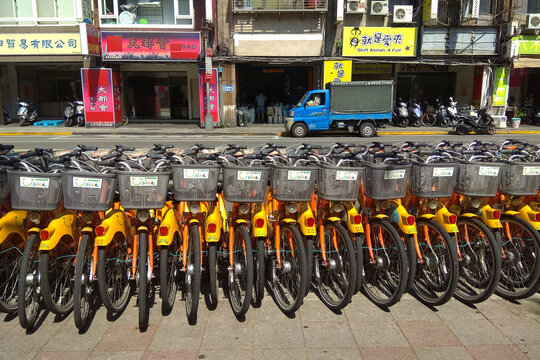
(357, 106)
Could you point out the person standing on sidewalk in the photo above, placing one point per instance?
(260, 100)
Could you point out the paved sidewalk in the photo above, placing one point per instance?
(494, 329)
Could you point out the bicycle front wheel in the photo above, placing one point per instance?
(259, 269)
(335, 276)
(289, 274)
(142, 269)
(240, 284)
(169, 262)
(385, 265)
(520, 270)
(480, 267)
(192, 283)
(10, 267)
(82, 288)
(437, 275)
(28, 304)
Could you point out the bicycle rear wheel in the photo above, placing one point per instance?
(480, 267)
(192, 283)
(259, 269)
(437, 274)
(213, 271)
(240, 284)
(520, 270)
(335, 278)
(82, 288)
(56, 269)
(10, 267)
(29, 304)
(385, 273)
(359, 251)
(289, 279)
(169, 262)
(144, 281)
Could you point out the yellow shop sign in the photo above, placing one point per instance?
(337, 71)
(379, 41)
(40, 44)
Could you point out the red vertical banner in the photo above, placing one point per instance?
(102, 98)
(214, 98)
(477, 86)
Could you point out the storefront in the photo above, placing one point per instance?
(159, 73)
(525, 76)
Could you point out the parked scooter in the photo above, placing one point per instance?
(74, 113)
(441, 114)
(27, 113)
(400, 115)
(415, 116)
(452, 112)
(7, 117)
(483, 124)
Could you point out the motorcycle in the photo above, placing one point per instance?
(7, 117)
(452, 112)
(483, 124)
(441, 115)
(27, 113)
(74, 113)
(400, 115)
(416, 114)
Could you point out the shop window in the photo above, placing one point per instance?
(533, 7)
(146, 12)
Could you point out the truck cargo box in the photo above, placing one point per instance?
(361, 97)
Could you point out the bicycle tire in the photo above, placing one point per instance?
(10, 267)
(169, 262)
(213, 274)
(309, 263)
(111, 266)
(358, 248)
(240, 284)
(437, 275)
(336, 281)
(412, 259)
(289, 297)
(520, 270)
(82, 289)
(192, 283)
(143, 290)
(384, 280)
(259, 273)
(428, 119)
(55, 288)
(28, 309)
(471, 288)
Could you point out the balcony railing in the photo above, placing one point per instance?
(280, 5)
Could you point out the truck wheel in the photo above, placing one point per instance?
(299, 130)
(367, 130)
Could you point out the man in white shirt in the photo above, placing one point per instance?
(260, 100)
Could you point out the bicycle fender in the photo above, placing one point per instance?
(306, 230)
(114, 223)
(351, 213)
(529, 215)
(487, 218)
(399, 215)
(214, 218)
(427, 216)
(87, 229)
(470, 215)
(169, 221)
(333, 219)
(13, 223)
(511, 213)
(381, 216)
(259, 213)
(63, 225)
(288, 221)
(443, 217)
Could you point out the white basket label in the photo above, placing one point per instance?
(243, 175)
(488, 171)
(298, 175)
(531, 170)
(196, 173)
(394, 174)
(443, 172)
(143, 180)
(32, 182)
(347, 175)
(82, 182)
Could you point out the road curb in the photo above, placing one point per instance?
(35, 133)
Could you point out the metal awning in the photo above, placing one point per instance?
(527, 62)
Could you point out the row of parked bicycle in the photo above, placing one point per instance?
(441, 221)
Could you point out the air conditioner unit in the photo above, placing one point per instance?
(509, 49)
(402, 14)
(356, 7)
(239, 5)
(533, 21)
(379, 7)
(510, 29)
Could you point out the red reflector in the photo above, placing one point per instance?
(100, 231)
(212, 228)
(44, 235)
(452, 219)
(357, 219)
(537, 217)
(259, 223)
(310, 222)
(163, 231)
(410, 220)
(496, 215)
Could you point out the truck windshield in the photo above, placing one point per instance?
(302, 100)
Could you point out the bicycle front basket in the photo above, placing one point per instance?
(245, 184)
(143, 190)
(35, 190)
(4, 186)
(520, 179)
(479, 179)
(386, 181)
(339, 183)
(433, 180)
(291, 183)
(195, 182)
(86, 191)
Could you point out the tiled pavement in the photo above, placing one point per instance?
(494, 329)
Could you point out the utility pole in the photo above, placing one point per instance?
(208, 119)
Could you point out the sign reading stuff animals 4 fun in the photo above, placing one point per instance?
(379, 41)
